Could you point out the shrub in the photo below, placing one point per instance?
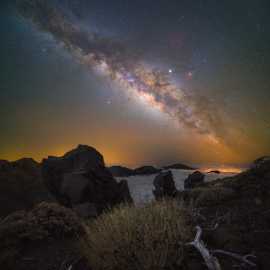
(46, 221)
(211, 195)
(150, 237)
(48, 224)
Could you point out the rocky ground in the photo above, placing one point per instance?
(44, 208)
(234, 214)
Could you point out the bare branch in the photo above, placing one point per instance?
(244, 259)
(211, 261)
(74, 263)
(209, 258)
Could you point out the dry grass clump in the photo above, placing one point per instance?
(150, 237)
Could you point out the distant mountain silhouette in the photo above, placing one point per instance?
(179, 166)
(120, 171)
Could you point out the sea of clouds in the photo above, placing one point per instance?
(141, 186)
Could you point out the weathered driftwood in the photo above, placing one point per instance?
(209, 258)
(211, 261)
(74, 263)
(243, 259)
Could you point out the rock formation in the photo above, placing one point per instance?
(164, 185)
(21, 186)
(193, 180)
(79, 179)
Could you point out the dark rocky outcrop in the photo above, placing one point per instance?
(146, 170)
(120, 171)
(43, 238)
(178, 166)
(86, 210)
(80, 177)
(21, 186)
(124, 191)
(195, 179)
(164, 185)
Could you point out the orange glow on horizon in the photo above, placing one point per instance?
(223, 169)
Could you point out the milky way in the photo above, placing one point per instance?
(125, 68)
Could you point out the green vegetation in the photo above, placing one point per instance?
(150, 237)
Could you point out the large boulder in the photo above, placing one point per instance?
(120, 171)
(124, 191)
(146, 170)
(73, 186)
(193, 180)
(80, 178)
(77, 160)
(21, 186)
(86, 210)
(164, 185)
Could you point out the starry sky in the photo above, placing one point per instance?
(145, 82)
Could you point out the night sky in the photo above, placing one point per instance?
(144, 82)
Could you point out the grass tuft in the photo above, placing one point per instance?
(150, 237)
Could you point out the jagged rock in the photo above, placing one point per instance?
(146, 170)
(164, 185)
(178, 166)
(80, 177)
(193, 180)
(78, 160)
(124, 192)
(73, 186)
(21, 186)
(120, 171)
